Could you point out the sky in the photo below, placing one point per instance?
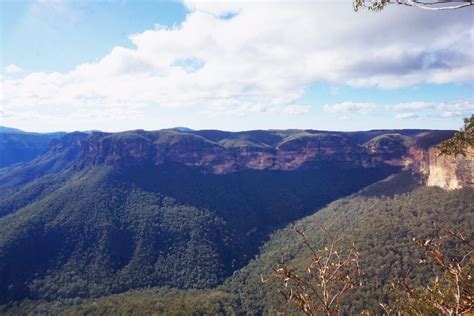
(108, 65)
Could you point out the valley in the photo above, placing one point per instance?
(241, 158)
(197, 211)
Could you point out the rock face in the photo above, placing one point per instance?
(290, 153)
(450, 172)
(389, 148)
(447, 172)
(220, 152)
(417, 159)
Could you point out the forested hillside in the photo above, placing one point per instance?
(380, 222)
(101, 214)
(72, 229)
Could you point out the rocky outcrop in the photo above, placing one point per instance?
(417, 159)
(447, 172)
(389, 148)
(451, 172)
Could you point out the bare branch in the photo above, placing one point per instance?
(439, 5)
(328, 278)
(427, 6)
(450, 293)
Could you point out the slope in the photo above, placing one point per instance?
(381, 220)
(69, 231)
(95, 235)
(17, 146)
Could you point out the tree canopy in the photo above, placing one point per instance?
(436, 5)
(463, 139)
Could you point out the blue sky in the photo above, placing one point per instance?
(117, 65)
(85, 31)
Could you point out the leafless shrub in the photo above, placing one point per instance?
(450, 293)
(327, 279)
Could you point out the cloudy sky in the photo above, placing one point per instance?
(118, 65)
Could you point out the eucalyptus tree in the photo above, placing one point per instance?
(434, 5)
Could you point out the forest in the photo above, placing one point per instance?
(380, 223)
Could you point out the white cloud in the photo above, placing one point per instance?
(237, 108)
(451, 114)
(261, 60)
(407, 110)
(454, 106)
(407, 116)
(345, 107)
(417, 105)
(295, 109)
(13, 69)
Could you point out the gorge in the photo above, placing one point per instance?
(98, 214)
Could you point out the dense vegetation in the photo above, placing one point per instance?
(105, 230)
(25, 183)
(459, 143)
(73, 230)
(380, 223)
(95, 236)
(381, 226)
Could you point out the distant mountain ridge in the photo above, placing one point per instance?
(18, 146)
(223, 152)
(9, 130)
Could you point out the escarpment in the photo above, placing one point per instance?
(217, 152)
(451, 172)
(290, 153)
(446, 171)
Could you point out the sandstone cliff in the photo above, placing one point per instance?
(451, 172)
(290, 153)
(447, 172)
(220, 152)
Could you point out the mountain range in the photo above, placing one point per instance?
(205, 212)
(17, 146)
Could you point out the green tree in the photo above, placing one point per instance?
(463, 139)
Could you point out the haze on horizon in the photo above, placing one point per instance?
(122, 65)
